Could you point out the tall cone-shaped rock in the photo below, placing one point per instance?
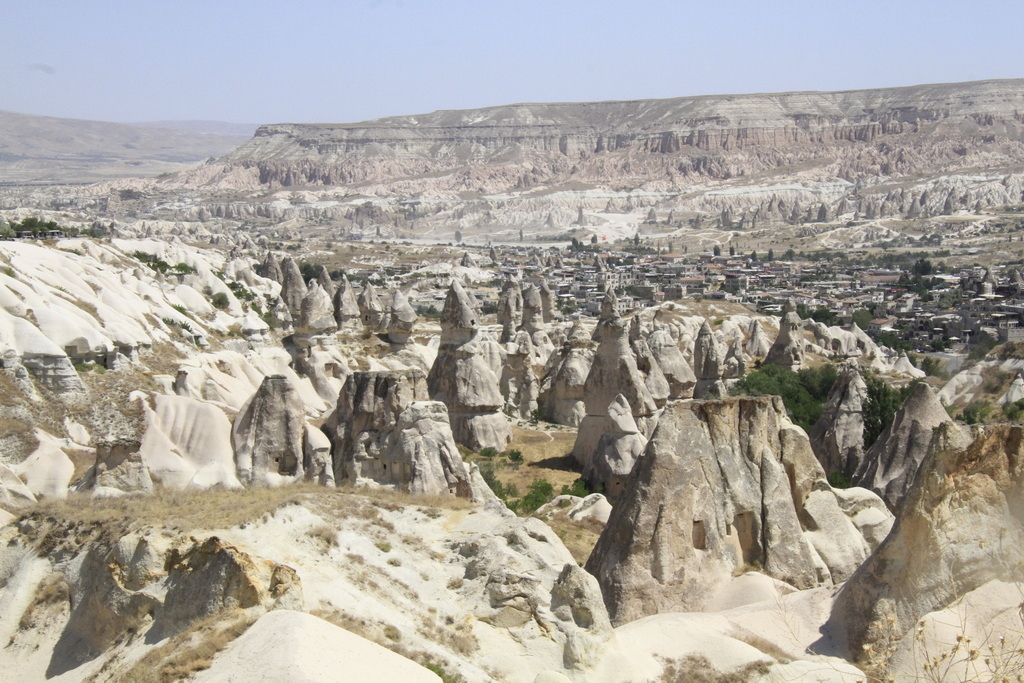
(371, 310)
(721, 485)
(838, 436)
(788, 349)
(267, 434)
(758, 343)
(464, 380)
(293, 287)
(617, 451)
(708, 364)
(401, 320)
(890, 465)
(510, 309)
(614, 371)
(316, 313)
(960, 529)
(562, 390)
(677, 372)
(346, 307)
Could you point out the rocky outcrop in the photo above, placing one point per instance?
(267, 435)
(674, 142)
(402, 319)
(722, 486)
(346, 307)
(959, 528)
(617, 451)
(293, 287)
(708, 364)
(371, 309)
(519, 384)
(385, 431)
(677, 372)
(510, 309)
(613, 371)
(838, 436)
(758, 344)
(788, 349)
(562, 389)
(316, 312)
(368, 409)
(420, 454)
(464, 380)
(890, 465)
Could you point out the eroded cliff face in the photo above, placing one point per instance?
(959, 530)
(885, 132)
(723, 486)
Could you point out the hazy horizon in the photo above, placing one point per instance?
(326, 62)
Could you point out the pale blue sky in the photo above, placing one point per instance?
(265, 62)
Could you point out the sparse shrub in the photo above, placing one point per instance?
(383, 546)
(324, 533)
(220, 300)
(838, 480)
(394, 562)
(392, 633)
(488, 452)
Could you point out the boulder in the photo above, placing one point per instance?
(420, 455)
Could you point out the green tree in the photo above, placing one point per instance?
(803, 393)
(880, 406)
(717, 251)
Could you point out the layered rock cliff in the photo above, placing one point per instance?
(884, 132)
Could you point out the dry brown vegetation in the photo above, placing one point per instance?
(579, 537)
(65, 526)
(697, 669)
(546, 455)
(192, 650)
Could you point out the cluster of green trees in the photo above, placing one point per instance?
(804, 394)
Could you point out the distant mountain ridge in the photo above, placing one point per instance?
(658, 144)
(49, 150)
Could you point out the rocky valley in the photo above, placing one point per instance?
(499, 395)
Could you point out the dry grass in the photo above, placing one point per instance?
(65, 526)
(763, 644)
(697, 669)
(52, 591)
(192, 650)
(579, 537)
(545, 456)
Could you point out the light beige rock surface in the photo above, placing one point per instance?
(300, 648)
(890, 465)
(722, 485)
(959, 527)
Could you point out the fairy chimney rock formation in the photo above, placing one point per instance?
(317, 310)
(838, 436)
(402, 319)
(346, 306)
(613, 371)
(708, 364)
(267, 435)
(464, 380)
(890, 465)
(722, 485)
(617, 450)
(788, 349)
